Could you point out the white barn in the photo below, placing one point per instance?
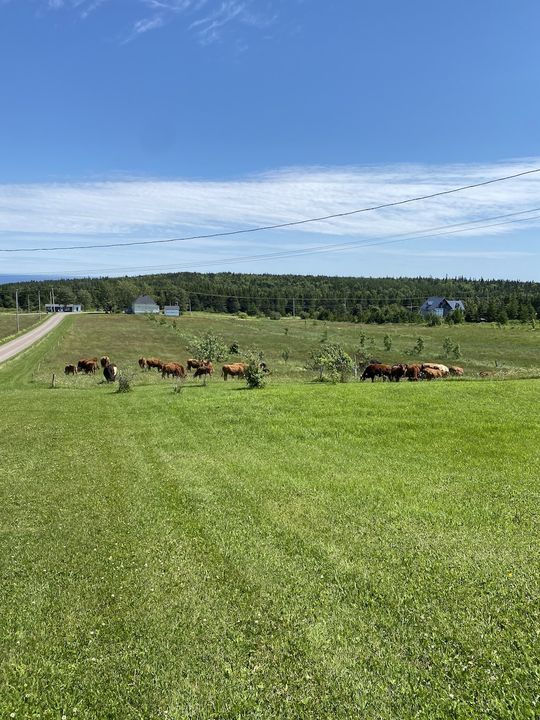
(144, 304)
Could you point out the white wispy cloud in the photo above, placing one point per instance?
(173, 207)
(206, 18)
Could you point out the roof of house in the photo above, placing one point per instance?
(456, 304)
(144, 300)
(436, 302)
(432, 302)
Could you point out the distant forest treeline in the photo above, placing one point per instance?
(372, 300)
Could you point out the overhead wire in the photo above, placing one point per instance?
(276, 226)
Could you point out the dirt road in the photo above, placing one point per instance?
(23, 342)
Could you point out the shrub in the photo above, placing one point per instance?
(387, 342)
(448, 346)
(255, 376)
(433, 320)
(332, 363)
(125, 382)
(419, 347)
(274, 315)
(209, 347)
(285, 355)
(234, 349)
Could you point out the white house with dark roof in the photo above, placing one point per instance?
(144, 304)
(440, 306)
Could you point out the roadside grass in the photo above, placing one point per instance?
(508, 351)
(8, 324)
(307, 551)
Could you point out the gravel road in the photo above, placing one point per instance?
(23, 342)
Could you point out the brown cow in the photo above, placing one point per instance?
(174, 369)
(412, 373)
(204, 370)
(398, 371)
(193, 364)
(456, 371)
(234, 370)
(70, 370)
(376, 370)
(431, 373)
(142, 363)
(88, 365)
(154, 363)
(104, 361)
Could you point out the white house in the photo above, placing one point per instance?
(440, 306)
(144, 304)
(57, 307)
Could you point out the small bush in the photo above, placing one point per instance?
(125, 382)
(387, 342)
(234, 349)
(255, 376)
(332, 363)
(274, 315)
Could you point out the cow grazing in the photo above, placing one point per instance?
(88, 366)
(142, 363)
(377, 370)
(70, 370)
(174, 369)
(412, 373)
(154, 363)
(398, 371)
(193, 364)
(436, 366)
(456, 371)
(110, 372)
(204, 371)
(234, 370)
(104, 361)
(429, 373)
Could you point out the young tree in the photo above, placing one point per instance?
(331, 361)
(208, 347)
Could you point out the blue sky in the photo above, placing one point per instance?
(140, 119)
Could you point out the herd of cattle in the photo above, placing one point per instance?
(203, 368)
(89, 366)
(424, 371)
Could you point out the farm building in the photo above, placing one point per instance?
(171, 310)
(59, 307)
(144, 304)
(440, 306)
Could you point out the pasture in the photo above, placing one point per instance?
(305, 551)
(8, 324)
(511, 351)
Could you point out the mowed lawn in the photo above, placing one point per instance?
(302, 551)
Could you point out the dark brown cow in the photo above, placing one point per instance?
(193, 364)
(398, 371)
(142, 363)
(204, 370)
(110, 372)
(412, 373)
(377, 370)
(174, 369)
(456, 371)
(104, 361)
(234, 370)
(88, 366)
(70, 370)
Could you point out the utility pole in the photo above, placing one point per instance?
(17, 309)
(52, 293)
(293, 308)
(39, 303)
(28, 303)
(190, 306)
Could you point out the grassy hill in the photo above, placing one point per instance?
(304, 551)
(8, 324)
(507, 351)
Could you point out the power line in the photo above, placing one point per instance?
(339, 247)
(277, 226)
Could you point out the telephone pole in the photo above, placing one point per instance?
(293, 308)
(17, 309)
(39, 303)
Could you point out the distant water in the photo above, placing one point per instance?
(25, 278)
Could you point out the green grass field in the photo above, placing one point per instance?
(8, 324)
(512, 351)
(304, 551)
